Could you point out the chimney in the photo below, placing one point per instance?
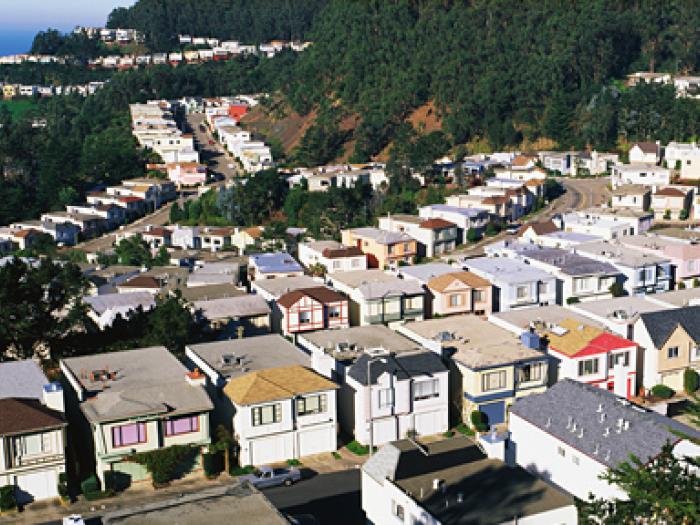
(53, 397)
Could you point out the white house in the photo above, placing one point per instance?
(633, 196)
(648, 174)
(607, 223)
(573, 433)
(645, 152)
(332, 255)
(104, 309)
(516, 284)
(464, 218)
(32, 432)
(435, 236)
(452, 482)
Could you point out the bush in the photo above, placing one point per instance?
(691, 380)
(662, 391)
(464, 429)
(242, 471)
(681, 285)
(473, 235)
(479, 421)
(164, 463)
(293, 463)
(98, 494)
(492, 229)
(62, 486)
(7, 498)
(572, 300)
(357, 448)
(616, 290)
(336, 455)
(90, 484)
(212, 463)
(667, 214)
(696, 283)
(683, 215)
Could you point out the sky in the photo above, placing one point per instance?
(20, 20)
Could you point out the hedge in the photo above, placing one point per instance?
(212, 463)
(163, 463)
(691, 380)
(62, 486)
(662, 391)
(90, 484)
(479, 421)
(7, 498)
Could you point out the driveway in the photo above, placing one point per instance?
(213, 155)
(334, 499)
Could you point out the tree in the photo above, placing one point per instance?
(171, 324)
(660, 490)
(134, 251)
(473, 235)
(616, 290)
(162, 258)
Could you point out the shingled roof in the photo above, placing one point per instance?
(321, 294)
(662, 324)
(18, 416)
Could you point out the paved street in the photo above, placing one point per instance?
(334, 499)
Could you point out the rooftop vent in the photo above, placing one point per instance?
(559, 330)
(600, 408)
(437, 483)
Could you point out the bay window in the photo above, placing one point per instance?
(130, 434)
(181, 425)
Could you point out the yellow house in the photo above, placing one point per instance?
(383, 248)
(9, 91)
(493, 366)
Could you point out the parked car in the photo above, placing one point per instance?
(512, 229)
(73, 519)
(272, 477)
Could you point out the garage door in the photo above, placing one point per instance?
(495, 412)
(269, 450)
(384, 431)
(37, 486)
(429, 423)
(315, 441)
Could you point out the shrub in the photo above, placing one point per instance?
(479, 421)
(98, 494)
(357, 448)
(336, 455)
(464, 429)
(212, 463)
(491, 229)
(293, 462)
(473, 235)
(696, 283)
(163, 463)
(90, 484)
(242, 471)
(683, 215)
(449, 434)
(662, 391)
(691, 380)
(7, 497)
(681, 285)
(62, 486)
(616, 290)
(572, 300)
(667, 214)
(116, 481)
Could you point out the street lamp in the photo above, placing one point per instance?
(382, 356)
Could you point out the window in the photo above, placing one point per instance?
(531, 372)
(125, 435)
(336, 265)
(695, 353)
(455, 300)
(304, 317)
(426, 389)
(672, 352)
(386, 397)
(622, 358)
(588, 367)
(397, 510)
(561, 451)
(479, 296)
(522, 292)
(493, 380)
(181, 425)
(414, 303)
(355, 263)
(406, 247)
(312, 404)
(575, 459)
(267, 414)
(334, 312)
(543, 288)
(34, 444)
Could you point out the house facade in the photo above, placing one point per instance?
(332, 255)
(434, 236)
(465, 218)
(317, 308)
(640, 173)
(671, 203)
(459, 293)
(633, 196)
(273, 266)
(383, 248)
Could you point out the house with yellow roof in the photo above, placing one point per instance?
(459, 293)
(282, 413)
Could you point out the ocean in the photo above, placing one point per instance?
(15, 41)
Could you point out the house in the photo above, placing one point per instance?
(459, 293)
(646, 174)
(588, 354)
(316, 308)
(423, 272)
(332, 255)
(210, 505)
(379, 298)
(452, 482)
(648, 78)
(434, 236)
(670, 341)
(533, 230)
(105, 309)
(565, 240)
(671, 203)
(141, 283)
(595, 162)
(187, 174)
(645, 152)
(32, 432)
(492, 367)
(573, 433)
(579, 278)
(465, 218)
(139, 400)
(687, 86)
(247, 314)
(634, 196)
(273, 266)
(497, 202)
(619, 314)
(684, 256)
(245, 237)
(607, 223)
(382, 248)
(515, 284)
(539, 319)
(642, 272)
(282, 413)
(216, 239)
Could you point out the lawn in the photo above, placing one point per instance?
(17, 107)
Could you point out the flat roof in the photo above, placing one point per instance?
(374, 284)
(523, 318)
(476, 343)
(620, 254)
(213, 506)
(233, 307)
(22, 379)
(283, 285)
(250, 354)
(677, 298)
(620, 310)
(425, 272)
(132, 383)
(505, 270)
(349, 343)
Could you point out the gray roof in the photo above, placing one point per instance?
(23, 379)
(210, 291)
(278, 262)
(661, 324)
(233, 307)
(210, 279)
(572, 236)
(680, 298)
(569, 402)
(620, 254)
(465, 212)
(101, 303)
(402, 366)
(147, 381)
(622, 310)
(425, 272)
(376, 284)
(502, 269)
(540, 317)
(212, 505)
(255, 353)
(490, 492)
(567, 262)
(382, 236)
(281, 286)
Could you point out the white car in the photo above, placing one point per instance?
(73, 519)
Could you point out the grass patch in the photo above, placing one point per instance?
(18, 107)
(449, 434)
(464, 429)
(293, 462)
(336, 455)
(242, 471)
(357, 448)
